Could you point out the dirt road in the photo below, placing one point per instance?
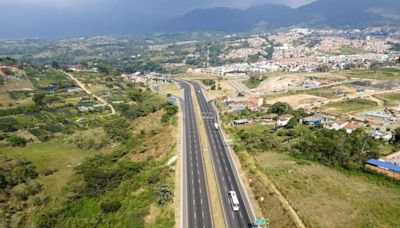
(80, 84)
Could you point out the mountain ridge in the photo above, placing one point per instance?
(322, 13)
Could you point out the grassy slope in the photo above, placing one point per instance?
(326, 197)
(137, 197)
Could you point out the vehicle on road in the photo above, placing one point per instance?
(216, 126)
(234, 200)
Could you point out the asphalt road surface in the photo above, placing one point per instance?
(196, 207)
(227, 176)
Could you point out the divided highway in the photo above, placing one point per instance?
(227, 176)
(195, 202)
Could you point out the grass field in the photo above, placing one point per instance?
(349, 50)
(326, 197)
(54, 154)
(381, 74)
(349, 106)
(393, 99)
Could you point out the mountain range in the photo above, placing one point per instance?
(321, 13)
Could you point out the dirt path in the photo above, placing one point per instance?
(80, 84)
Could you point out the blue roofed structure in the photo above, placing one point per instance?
(384, 165)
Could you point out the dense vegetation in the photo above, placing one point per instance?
(18, 188)
(330, 147)
(338, 148)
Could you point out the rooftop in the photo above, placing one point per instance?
(385, 165)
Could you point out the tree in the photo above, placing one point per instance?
(38, 98)
(292, 123)
(55, 65)
(397, 136)
(322, 68)
(1, 81)
(8, 71)
(118, 129)
(280, 108)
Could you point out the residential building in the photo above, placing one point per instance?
(314, 120)
(350, 127)
(283, 120)
(336, 124)
(384, 135)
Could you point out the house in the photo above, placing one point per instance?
(384, 135)
(384, 167)
(241, 122)
(238, 107)
(314, 120)
(269, 117)
(283, 120)
(336, 124)
(350, 127)
(75, 90)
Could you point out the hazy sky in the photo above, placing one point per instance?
(172, 4)
(21, 18)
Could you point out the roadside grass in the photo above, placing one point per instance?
(158, 141)
(172, 88)
(329, 197)
(392, 99)
(55, 154)
(349, 106)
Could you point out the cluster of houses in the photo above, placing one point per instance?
(253, 102)
(313, 82)
(90, 106)
(138, 77)
(327, 122)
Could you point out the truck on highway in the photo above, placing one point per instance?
(234, 200)
(216, 126)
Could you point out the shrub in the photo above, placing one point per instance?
(164, 194)
(110, 206)
(17, 141)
